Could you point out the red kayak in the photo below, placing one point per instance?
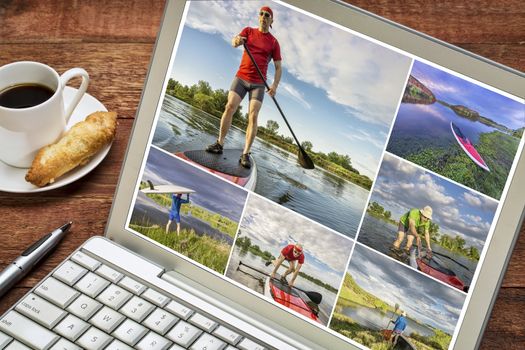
(430, 267)
(225, 165)
(468, 147)
(290, 297)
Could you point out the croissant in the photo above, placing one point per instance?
(75, 148)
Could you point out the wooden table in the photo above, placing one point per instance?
(113, 41)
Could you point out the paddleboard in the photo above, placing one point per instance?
(225, 165)
(432, 268)
(290, 297)
(468, 147)
(402, 341)
(167, 189)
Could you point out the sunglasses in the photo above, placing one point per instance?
(265, 14)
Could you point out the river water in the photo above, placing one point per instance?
(376, 320)
(380, 235)
(255, 281)
(316, 194)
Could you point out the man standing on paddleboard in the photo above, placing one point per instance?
(176, 203)
(411, 224)
(399, 327)
(292, 253)
(264, 47)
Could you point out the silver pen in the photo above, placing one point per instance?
(30, 257)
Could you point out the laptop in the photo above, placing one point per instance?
(300, 175)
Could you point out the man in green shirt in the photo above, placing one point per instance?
(412, 223)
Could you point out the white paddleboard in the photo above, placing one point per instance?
(167, 189)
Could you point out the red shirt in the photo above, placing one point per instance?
(287, 252)
(263, 47)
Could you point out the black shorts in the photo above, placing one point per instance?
(241, 87)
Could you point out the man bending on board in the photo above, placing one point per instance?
(292, 253)
(399, 327)
(176, 202)
(264, 47)
(410, 224)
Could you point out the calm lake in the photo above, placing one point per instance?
(316, 194)
(380, 235)
(419, 127)
(255, 280)
(376, 320)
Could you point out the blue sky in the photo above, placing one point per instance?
(212, 193)
(401, 186)
(338, 91)
(272, 228)
(424, 299)
(456, 91)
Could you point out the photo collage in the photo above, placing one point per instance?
(344, 180)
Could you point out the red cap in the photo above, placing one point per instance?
(267, 9)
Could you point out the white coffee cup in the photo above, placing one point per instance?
(23, 131)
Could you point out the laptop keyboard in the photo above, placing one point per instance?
(86, 304)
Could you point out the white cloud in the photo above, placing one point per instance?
(295, 94)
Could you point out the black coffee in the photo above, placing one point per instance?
(25, 95)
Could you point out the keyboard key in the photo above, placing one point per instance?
(227, 335)
(16, 345)
(130, 332)
(109, 273)
(86, 261)
(56, 292)
(132, 285)
(40, 310)
(26, 330)
(155, 297)
(208, 342)
(107, 319)
(71, 327)
(94, 339)
(114, 296)
(118, 345)
(247, 344)
(63, 344)
(231, 348)
(160, 321)
(179, 310)
(84, 307)
(91, 284)
(184, 334)
(153, 341)
(176, 347)
(137, 309)
(69, 272)
(202, 322)
(4, 340)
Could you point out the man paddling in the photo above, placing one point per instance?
(399, 327)
(263, 46)
(174, 214)
(293, 254)
(411, 224)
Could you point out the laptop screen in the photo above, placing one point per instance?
(347, 181)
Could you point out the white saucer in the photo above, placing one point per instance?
(13, 179)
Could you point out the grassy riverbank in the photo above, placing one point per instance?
(203, 249)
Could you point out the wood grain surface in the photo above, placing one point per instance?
(113, 41)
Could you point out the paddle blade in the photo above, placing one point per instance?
(304, 160)
(314, 296)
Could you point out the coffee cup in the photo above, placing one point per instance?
(32, 110)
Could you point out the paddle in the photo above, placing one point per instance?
(448, 257)
(151, 187)
(314, 296)
(304, 159)
(393, 313)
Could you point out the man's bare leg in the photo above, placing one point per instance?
(226, 120)
(251, 130)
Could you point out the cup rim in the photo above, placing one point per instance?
(42, 65)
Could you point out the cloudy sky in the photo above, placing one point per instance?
(401, 186)
(337, 90)
(454, 90)
(272, 228)
(424, 299)
(212, 193)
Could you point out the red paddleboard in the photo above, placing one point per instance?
(289, 297)
(440, 273)
(468, 147)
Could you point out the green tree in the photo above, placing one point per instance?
(307, 146)
(272, 127)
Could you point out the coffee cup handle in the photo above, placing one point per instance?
(67, 76)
